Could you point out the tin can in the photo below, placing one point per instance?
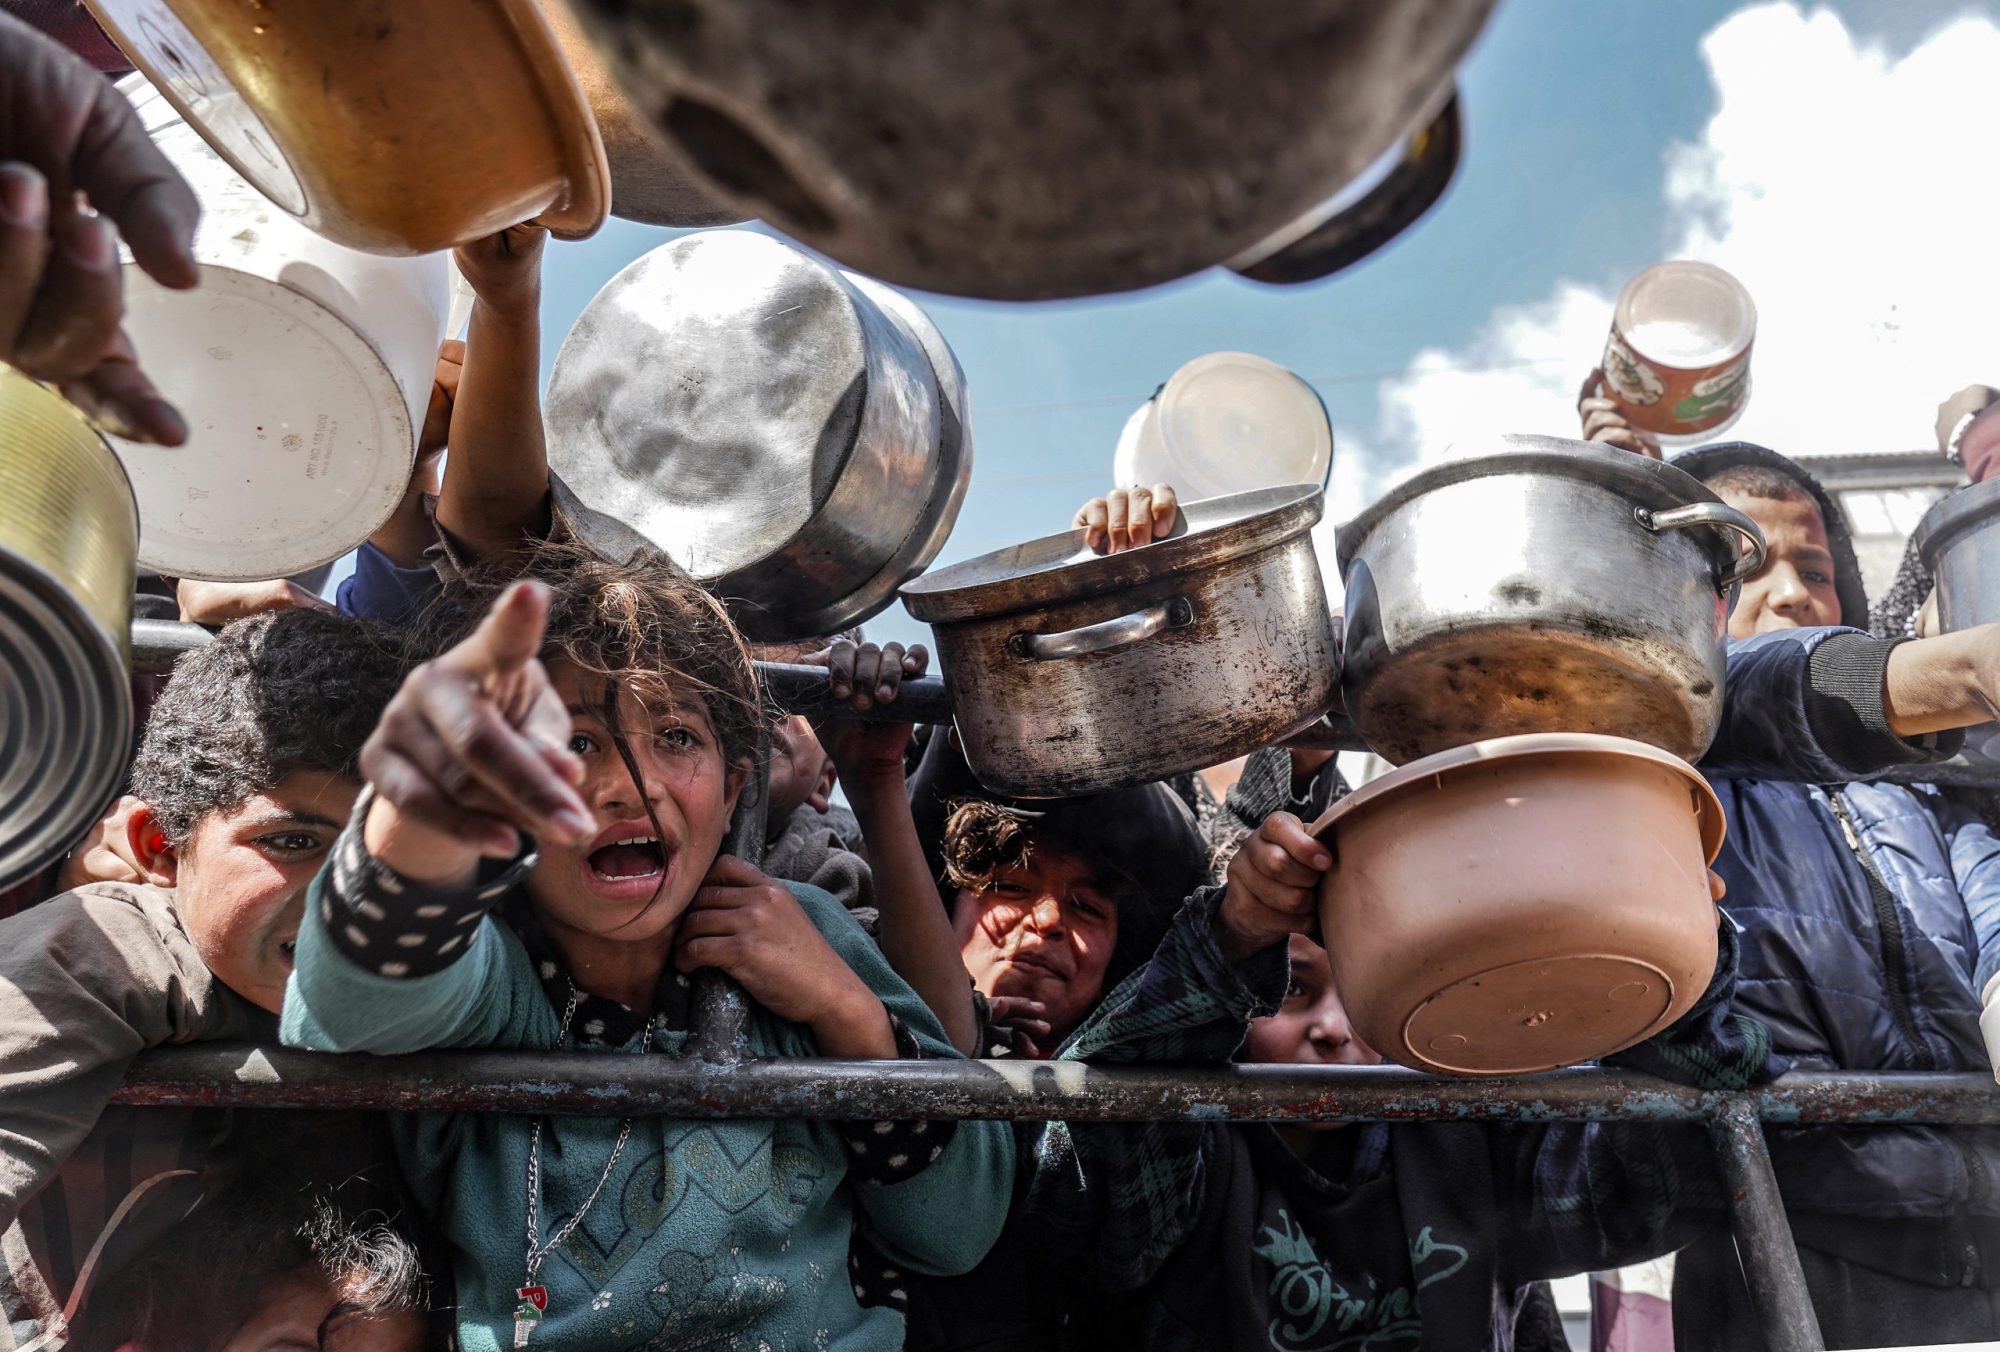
(68, 533)
(1677, 360)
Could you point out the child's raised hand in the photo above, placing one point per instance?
(1273, 888)
(750, 926)
(866, 675)
(504, 269)
(1126, 518)
(475, 744)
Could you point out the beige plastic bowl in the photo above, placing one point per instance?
(1522, 903)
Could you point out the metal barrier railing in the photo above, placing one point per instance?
(225, 1075)
(719, 1080)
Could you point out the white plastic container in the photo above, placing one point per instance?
(1227, 422)
(303, 369)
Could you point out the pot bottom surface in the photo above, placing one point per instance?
(1523, 1017)
(1481, 685)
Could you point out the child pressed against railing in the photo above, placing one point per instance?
(611, 711)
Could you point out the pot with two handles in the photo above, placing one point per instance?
(1075, 673)
(1546, 586)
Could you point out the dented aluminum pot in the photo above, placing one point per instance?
(1020, 150)
(1549, 586)
(1075, 673)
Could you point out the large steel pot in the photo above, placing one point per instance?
(804, 456)
(68, 532)
(1959, 543)
(1017, 149)
(1548, 586)
(1076, 673)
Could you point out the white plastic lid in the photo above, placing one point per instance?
(298, 438)
(1228, 422)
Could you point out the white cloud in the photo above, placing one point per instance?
(1850, 189)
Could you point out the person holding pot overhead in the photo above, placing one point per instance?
(1854, 900)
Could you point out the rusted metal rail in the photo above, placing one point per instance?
(542, 1082)
(221, 1074)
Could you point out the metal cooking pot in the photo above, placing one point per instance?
(1959, 543)
(765, 422)
(68, 533)
(1397, 193)
(1550, 586)
(649, 181)
(1020, 150)
(339, 115)
(1072, 673)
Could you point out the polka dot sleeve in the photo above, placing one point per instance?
(395, 927)
(890, 1152)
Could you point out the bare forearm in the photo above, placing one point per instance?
(915, 932)
(407, 534)
(1936, 684)
(858, 1029)
(495, 496)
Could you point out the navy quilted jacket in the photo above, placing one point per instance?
(1858, 954)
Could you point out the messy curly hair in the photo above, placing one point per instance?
(195, 1289)
(272, 696)
(980, 839)
(641, 624)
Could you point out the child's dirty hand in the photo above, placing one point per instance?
(866, 675)
(1022, 1019)
(1273, 889)
(751, 927)
(1126, 518)
(1604, 421)
(475, 746)
(504, 270)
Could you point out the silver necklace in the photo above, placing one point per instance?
(534, 1298)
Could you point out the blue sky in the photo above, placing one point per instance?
(1571, 109)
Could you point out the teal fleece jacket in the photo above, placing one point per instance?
(708, 1234)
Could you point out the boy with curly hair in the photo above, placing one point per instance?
(247, 772)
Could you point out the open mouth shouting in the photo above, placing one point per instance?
(628, 862)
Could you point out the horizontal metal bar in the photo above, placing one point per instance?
(544, 1082)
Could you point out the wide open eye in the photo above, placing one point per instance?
(291, 843)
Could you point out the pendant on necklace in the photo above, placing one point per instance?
(534, 1304)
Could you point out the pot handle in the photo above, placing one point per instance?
(1721, 517)
(1121, 632)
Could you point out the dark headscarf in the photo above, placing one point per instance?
(1146, 836)
(1706, 462)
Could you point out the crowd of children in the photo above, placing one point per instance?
(483, 800)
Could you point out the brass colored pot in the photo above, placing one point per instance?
(387, 126)
(68, 534)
